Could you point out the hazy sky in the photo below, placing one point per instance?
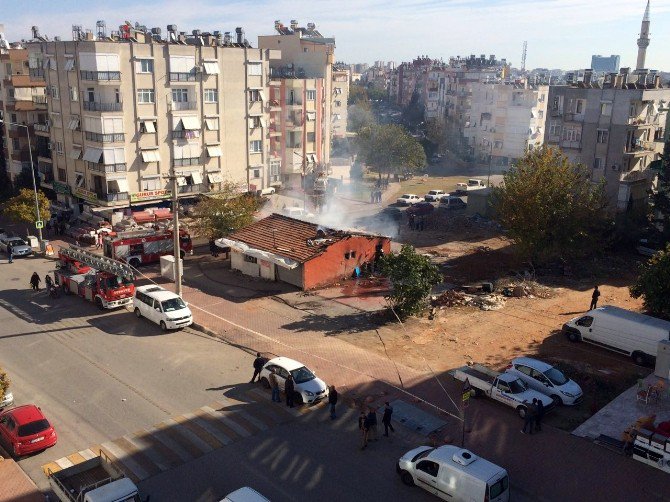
(560, 33)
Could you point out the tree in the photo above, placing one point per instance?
(414, 113)
(412, 277)
(550, 207)
(217, 216)
(359, 117)
(653, 283)
(358, 94)
(4, 383)
(389, 148)
(436, 132)
(660, 210)
(21, 208)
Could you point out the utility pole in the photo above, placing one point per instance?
(175, 232)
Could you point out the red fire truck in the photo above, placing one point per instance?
(137, 247)
(107, 282)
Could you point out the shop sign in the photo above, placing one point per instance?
(60, 187)
(84, 194)
(150, 194)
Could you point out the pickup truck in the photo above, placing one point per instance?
(472, 184)
(504, 387)
(94, 480)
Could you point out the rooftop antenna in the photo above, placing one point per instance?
(101, 29)
(77, 32)
(523, 55)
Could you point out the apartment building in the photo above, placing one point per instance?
(129, 109)
(22, 101)
(340, 100)
(302, 96)
(505, 120)
(615, 128)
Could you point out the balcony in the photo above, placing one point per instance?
(274, 130)
(184, 105)
(640, 122)
(182, 77)
(41, 128)
(633, 176)
(293, 103)
(185, 134)
(36, 73)
(640, 147)
(100, 106)
(191, 188)
(105, 138)
(21, 155)
(112, 197)
(107, 168)
(100, 76)
(40, 99)
(193, 161)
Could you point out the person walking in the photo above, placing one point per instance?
(594, 298)
(363, 427)
(10, 254)
(332, 401)
(274, 385)
(213, 248)
(386, 419)
(372, 424)
(372, 196)
(35, 281)
(48, 282)
(258, 366)
(528, 418)
(289, 388)
(539, 416)
(410, 221)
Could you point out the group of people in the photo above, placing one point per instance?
(36, 280)
(367, 424)
(533, 417)
(376, 196)
(415, 223)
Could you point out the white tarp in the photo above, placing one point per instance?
(280, 261)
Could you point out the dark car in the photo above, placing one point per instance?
(421, 209)
(452, 202)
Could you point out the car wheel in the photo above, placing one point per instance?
(138, 314)
(407, 478)
(557, 400)
(98, 303)
(265, 383)
(572, 336)
(521, 410)
(163, 326)
(297, 398)
(639, 358)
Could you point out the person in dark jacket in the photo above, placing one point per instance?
(386, 419)
(332, 401)
(213, 248)
(539, 416)
(594, 298)
(35, 281)
(363, 427)
(10, 254)
(372, 424)
(289, 388)
(529, 418)
(258, 366)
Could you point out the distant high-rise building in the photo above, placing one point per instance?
(605, 64)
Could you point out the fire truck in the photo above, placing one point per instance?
(105, 281)
(138, 247)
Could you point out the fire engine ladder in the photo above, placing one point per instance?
(101, 263)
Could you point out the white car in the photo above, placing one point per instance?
(161, 306)
(297, 212)
(546, 379)
(308, 387)
(408, 199)
(434, 195)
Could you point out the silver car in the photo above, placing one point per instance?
(546, 379)
(19, 246)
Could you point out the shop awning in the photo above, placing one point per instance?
(150, 156)
(214, 151)
(211, 67)
(93, 155)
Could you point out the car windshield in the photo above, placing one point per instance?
(422, 455)
(17, 242)
(302, 375)
(405, 196)
(115, 281)
(173, 304)
(517, 386)
(434, 192)
(33, 427)
(555, 376)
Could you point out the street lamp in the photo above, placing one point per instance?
(32, 173)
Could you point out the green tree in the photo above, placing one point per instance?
(436, 132)
(550, 207)
(4, 383)
(389, 148)
(653, 283)
(358, 94)
(660, 209)
(359, 117)
(21, 208)
(412, 277)
(217, 216)
(414, 113)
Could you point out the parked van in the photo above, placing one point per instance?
(620, 330)
(454, 473)
(245, 494)
(162, 307)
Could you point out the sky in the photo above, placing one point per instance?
(560, 33)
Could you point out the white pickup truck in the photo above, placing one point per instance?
(472, 184)
(504, 387)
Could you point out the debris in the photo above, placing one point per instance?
(449, 298)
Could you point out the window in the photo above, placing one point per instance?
(69, 64)
(255, 122)
(255, 146)
(254, 68)
(555, 128)
(13, 116)
(145, 66)
(275, 168)
(211, 96)
(211, 67)
(311, 94)
(16, 144)
(311, 137)
(338, 102)
(585, 321)
(179, 95)
(429, 467)
(254, 95)
(151, 183)
(11, 91)
(597, 163)
(145, 96)
(257, 173)
(606, 108)
(148, 126)
(58, 147)
(74, 93)
(61, 175)
(55, 93)
(250, 259)
(603, 136)
(212, 124)
(540, 114)
(311, 116)
(580, 106)
(632, 111)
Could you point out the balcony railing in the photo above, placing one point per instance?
(41, 127)
(36, 73)
(105, 138)
(184, 105)
(111, 197)
(191, 188)
(99, 106)
(100, 75)
(106, 168)
(193, 161)
(182, 77)
(40, 100)
(186, 134)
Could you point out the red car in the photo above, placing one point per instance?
(25, 430)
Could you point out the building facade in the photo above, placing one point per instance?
(128, 110)
(340, 98)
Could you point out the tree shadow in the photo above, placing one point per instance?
(358, 322)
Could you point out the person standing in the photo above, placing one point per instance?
(213, 248)
(35, 281)
(258, 366)
(363, 427)
(386, 419)
(289, 388)
(372, 424)
(10, 254)
(540, 415)
(48, 282)
(332, 401)
(274, 385)
(528, 418)
(594, 298)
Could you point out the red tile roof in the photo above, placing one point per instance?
(288, 237)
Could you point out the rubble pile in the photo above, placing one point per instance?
(449, 298)
(452, 298)
(487, 302)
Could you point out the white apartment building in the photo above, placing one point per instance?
(340, 99)
(126, 111)
(504, 121)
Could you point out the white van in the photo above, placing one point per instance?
(162, 307)
(635, 335)
(245, 494)
(454, 473)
